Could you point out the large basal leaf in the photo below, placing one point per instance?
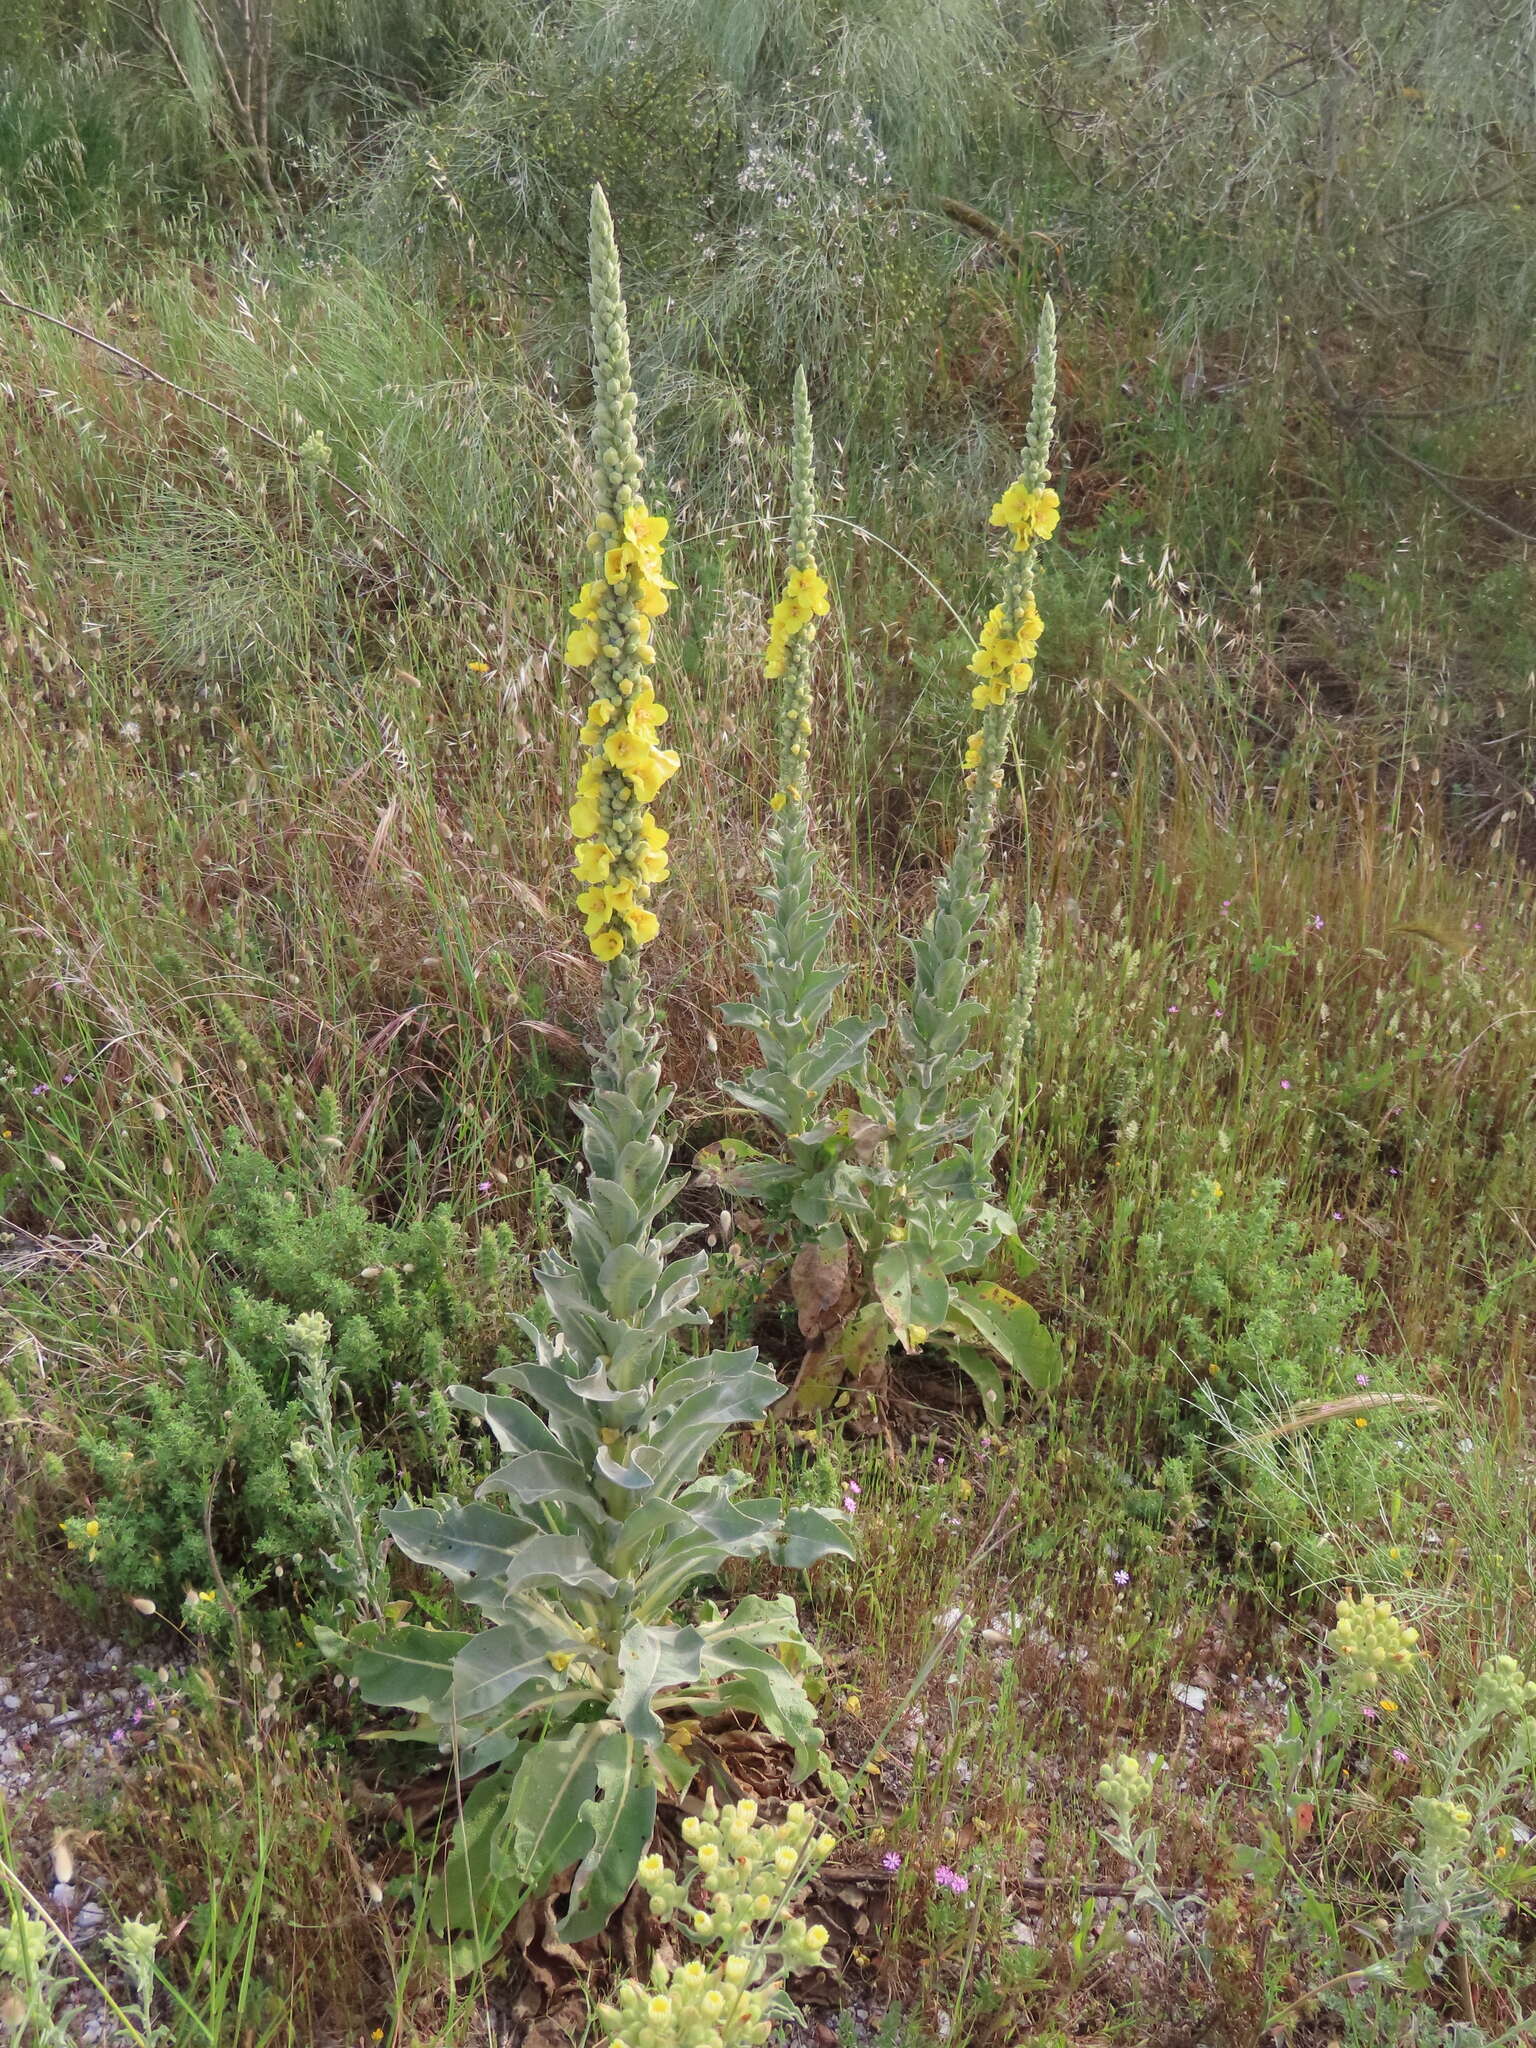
(811, 1534)
(1013, 1330)
(912, 1289)
(546, 1829)
(650, 1659)
(515, 1426)
(621, 1818)
(980, 1370)
(466, 1898)
(472, 1541)
(397, 1666)
(498, 1662)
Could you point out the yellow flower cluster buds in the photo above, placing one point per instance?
(1370, 1642)
(1005, 658)
(806, 599)
(1029, 514)
(804, 603)
(748, 1870)
(620, 855)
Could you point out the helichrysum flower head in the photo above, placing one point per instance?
(1447, 1830)
(621, 851)
(804, 603)
(1125, 1786)
(1370, 1643)
(24, 1946)
(1503, 1688)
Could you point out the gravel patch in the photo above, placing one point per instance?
(76, 1711)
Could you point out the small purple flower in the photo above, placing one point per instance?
(1122, 1578)
(849, 1503)
(1317, 924)
(66, 1079)
(1370, 1713)
(951, 1880)
(1173, 1009)
(1338, 1215)
(41, 1088)
(1218, 1013)
(1285, 1085)
(483, 1187)
(890, 1861)
(1400, 1756)
(854, 1488)
(1362, 1379)
(117, 1735)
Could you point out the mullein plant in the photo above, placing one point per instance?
(897, 1200)
(579, 1697)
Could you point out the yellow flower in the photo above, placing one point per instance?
(560, 1658)
(1387, 1706)
(93, 1528)
(606, 945)
(645, 714)
(777, 801)
(593, 862)
(583, 646)
(643, 923)
(584, 818)
(476, 668)
(1027, 513)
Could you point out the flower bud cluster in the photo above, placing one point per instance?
(1370, 1642)
(1503, 1688)
(747, 1871)
(1447, 1831)
(1125, 1786)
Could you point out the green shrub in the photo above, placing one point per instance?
(208, 1455)
(1262, 1393)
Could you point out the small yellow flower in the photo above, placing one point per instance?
(560, 1659)
(1387, 1706)
(476, 668)
(1361, 1421)
(93, 1528)
(852, 1704)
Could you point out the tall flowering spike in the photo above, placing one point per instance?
(937, 1023)
(792, 632)
(620, 856)
(1004, 660)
